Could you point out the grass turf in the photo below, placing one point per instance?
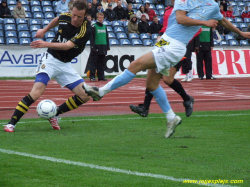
(206, 146)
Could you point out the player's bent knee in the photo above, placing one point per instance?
(168, 80)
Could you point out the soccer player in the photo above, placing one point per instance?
(69, 42)
(188, 101)
(186, 19)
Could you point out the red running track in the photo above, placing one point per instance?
(219, 94)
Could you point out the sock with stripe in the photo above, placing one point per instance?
(117, 82)
(21, 109)
(176, 86)
(72, 103)
(147, 100)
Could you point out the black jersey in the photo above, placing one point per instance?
(78, 35)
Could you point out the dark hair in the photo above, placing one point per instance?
(81, 5)
(147, 4)
(144, 9)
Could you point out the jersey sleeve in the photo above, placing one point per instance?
(218, 16)
(181, 5)
(82, 36)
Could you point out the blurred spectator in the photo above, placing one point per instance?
(91, 11)
(151, 13)
(98, 9)
(141, 11)
(131, 2)
(70, 5)
(224, 4)
(222, 30)
(143, 25)
(133, 25)
(94, 4)
(245, 13)
(120, 11)
(155, 26)
(222, 11)
(110, 13)
(89, 17)
(124, 2)
(99, 45)
(62, 7)
(230, 12)
(129, 11)
(113, 3)
(18, 11)
(4, 10)
(104, 4)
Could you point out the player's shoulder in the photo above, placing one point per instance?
(65, 16)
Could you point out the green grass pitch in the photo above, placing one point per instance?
(206, 146)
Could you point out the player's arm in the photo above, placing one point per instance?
(182, 18)
(228, 25)
(53, 45)
(41, 32)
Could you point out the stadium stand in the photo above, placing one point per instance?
(24, 41)
(125, 42)
(113, 42)
(136, 42)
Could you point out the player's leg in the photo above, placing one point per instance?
(146, 61)
(101, 64)
(92, 66)
(161, 98)
(199, 58)
(208, 64)
(23, 105)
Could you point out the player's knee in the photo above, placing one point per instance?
(168, 80)
(135, 66)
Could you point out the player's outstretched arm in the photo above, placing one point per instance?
(228, 25)
(41, 32)
(182, 18)
(53, 45)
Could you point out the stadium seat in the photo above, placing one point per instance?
(144, 36)
(35, 22)
(49, 15)
(138, 6)
(125, 42)
(88, 42)
(244, 43)
(238, 20)
(46, 21)
(10, 34)
(243, 27)
(125, 23)
(113, 42)
(34, 28)
(9, 21)
(156, 12)
(36, 9)
(21, 21)
(160, 7)
(233, 3)
(24, 2)
(224, 43)
(22, 27)
(10, 27)
(107, 23)
(47, 9)
(133, 6)
(50, 34)
(35, 39)
(222, 36)
(35, 3)
(49, 39)
(135, 10)
(46, 3)
(247, 20)
(216, 43)
(2, 41)
(28, 15)
(154, 36)
(133, 36)
(109, 29)
(1, 33)
(24, 41)
(147, 1)
(117, 23)
(12, 41)
(56, 29)
(11, 7)
(111, 35)
(230, 19)
(229, 37)
(161, 12)
(24, 34)
(147, 42)
(38, 15)
(118, 29)
(138, 1)
(1, 27)
(241, 4)
(33, 34)
(152, 6)
(121, 35)
(54, 3)
(26, 8)
(11, 2)
(233, 43)
(136, 42)
(236, 25)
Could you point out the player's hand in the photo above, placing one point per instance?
(38, 44)
(246, 34)
(158, 38)
(40, 33)
(211, 23)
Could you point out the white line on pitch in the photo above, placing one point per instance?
(133, 118)
(111, 169)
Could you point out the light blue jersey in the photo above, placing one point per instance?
(196, 9)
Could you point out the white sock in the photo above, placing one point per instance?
(170, 115)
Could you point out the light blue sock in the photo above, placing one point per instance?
(117, 82)
(161, 98)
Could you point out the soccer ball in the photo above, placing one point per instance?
(46, 109)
